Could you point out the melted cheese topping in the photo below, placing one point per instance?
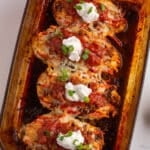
(87, 11)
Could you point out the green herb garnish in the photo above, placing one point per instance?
(61, 138)
(85, 54)
(83, 147)
(68, 134)
(74, 142)
(64, 75)
(102, 7)
(86, 99)
(71, 92)
(90, 10)
(58, 33)
(67, 49)
(78, 7)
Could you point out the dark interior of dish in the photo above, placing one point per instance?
(33, 108)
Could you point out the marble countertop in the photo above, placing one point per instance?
(10, 18)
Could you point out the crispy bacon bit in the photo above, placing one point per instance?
(66, 33)
(95, 48)
(58, 91)
(93, 59)
(54, 45)
(103, 15)
(98, 99)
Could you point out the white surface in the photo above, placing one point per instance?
(10, 18)
(11, 12)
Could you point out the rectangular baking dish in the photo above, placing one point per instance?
(36, 18)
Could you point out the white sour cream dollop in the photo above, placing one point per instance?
(87, 11)
(77, 47)
(78, 92)
(70, 142)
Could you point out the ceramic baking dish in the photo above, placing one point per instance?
(18, 109)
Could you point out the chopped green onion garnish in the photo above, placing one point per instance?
(71, 92)
(85, 54)
(67, 49)
(61, 138)
(68, 134)
(83, 147)
(64, 49)
(58, 33)
(64, 75)
(86, 99)
(90, 10)
(102, 7)
(78, 7)
(74, 142)
(70, 48)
